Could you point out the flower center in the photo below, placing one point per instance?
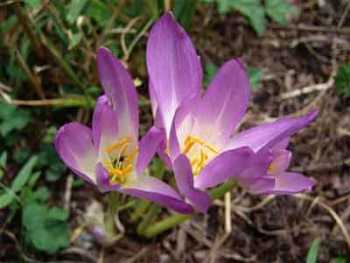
(120, 160)
(199, 153)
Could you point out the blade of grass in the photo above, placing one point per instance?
(313, 251)
(28, 28)
(148, 218)
(61, 102)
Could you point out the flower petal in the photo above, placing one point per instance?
(226, 100)
(104, 123)
(74, 144)
(103, 181)
(280, 161)
(181, 126)
(255, 178)
(282, 145)
(119, 88)
(258, 184)
(173, 66)
(291, 183)
(154, 190)
(148, 146)
(269, 134)
(145, 187)
(229, 164)
(184, 180)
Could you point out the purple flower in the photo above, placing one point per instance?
(201, 144)
(109, 154)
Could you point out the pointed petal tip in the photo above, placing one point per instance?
(312, 114)
(237, 61)
(230, 86)
(118, 85)
(167, 21)
(167, 17)
(291, 183)
(102, 53)
(175, 72)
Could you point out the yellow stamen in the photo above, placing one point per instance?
(192, 140)
(198, 160)
(119, 163)
(117, 145)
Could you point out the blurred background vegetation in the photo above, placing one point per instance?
(48, 77)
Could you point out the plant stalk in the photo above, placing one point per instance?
(176, 219)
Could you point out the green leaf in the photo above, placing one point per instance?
(77, 183)
(209, 71)
(135, 8)
(313, 251)
(33, 179)
(50, 135)
(255, 75)
(152, 8)
(279, 10)
(44, 228)
(184, 11)
(99, 11)
(54, 172)
(21, 155)
(24, 174)
(3, 161)
(6, 199)
(12, 118)
(253, 10)
(39, 196)
(342, 80)
(58, 214)
(74, 10)
(42, 194)
(8, 24)
(48, 159)
(74, 39)
(340, 259)
(33, 3)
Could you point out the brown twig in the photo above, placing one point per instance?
(34, 79)
(81, 252)
(137, 38)
(228, 215)
(312, 28)
(4, 87)
(138, 256)
(331, 211)
(122, 37)
(214, 250)
(308, 89)
(68, 192)
(110, 23)
(167, 5)
(19, 248)
(344, 15)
